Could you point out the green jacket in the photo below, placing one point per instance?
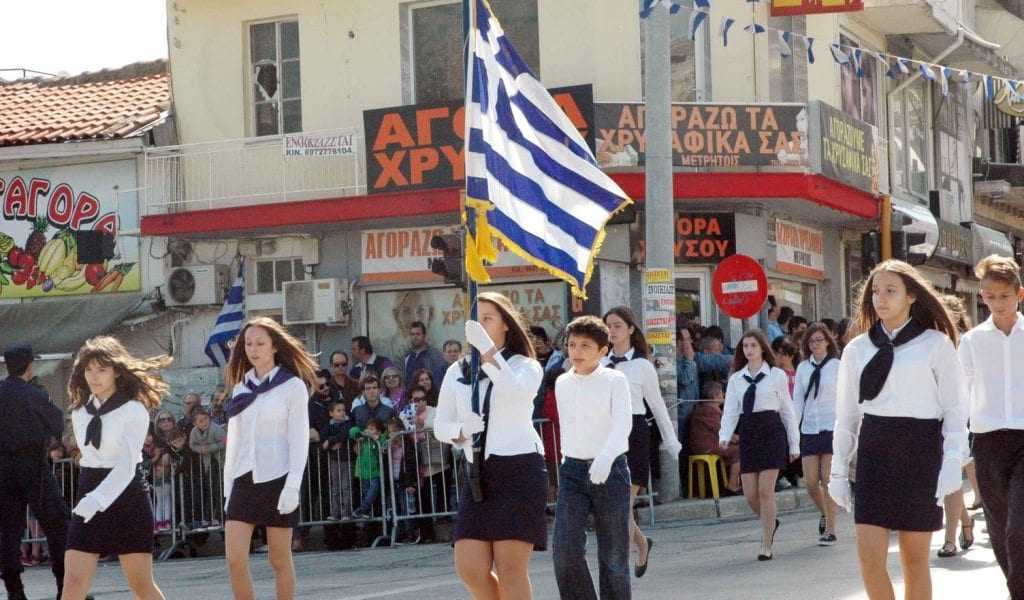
(369, 459)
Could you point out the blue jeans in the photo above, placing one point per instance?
(371, 490)
(609, 503)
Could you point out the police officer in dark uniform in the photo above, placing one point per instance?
(27, 422)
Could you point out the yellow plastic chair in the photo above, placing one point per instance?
(711, 464)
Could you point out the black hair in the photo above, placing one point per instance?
(785, 315)
(709, 388)
(18, 366)
(591, 327)
(539, 332)
(795, 323)
(363, 343)
(716, 332)
(325, 373)
(419, 325)
(336, 353)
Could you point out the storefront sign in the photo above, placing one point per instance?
(954, 242)
(740, 286)
(443, 311)
(1010, 103)
(304, 144)
(785, 8)
(659, 306)
(420, 146)
(843, 148)
(401, 256)
(700, 238)
(707, 135)
(799, 250)
(43, 209)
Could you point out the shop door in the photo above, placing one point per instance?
(693, 295)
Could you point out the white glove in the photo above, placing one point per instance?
(87, 508)
(599, 469)
(289, 501)
(950, 480)
(473, 425)
(839, 491)
(477, 337)
(673, 447)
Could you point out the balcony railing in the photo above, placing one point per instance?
(248, 171)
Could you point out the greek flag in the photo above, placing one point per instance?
(229, 322)
(531, 180)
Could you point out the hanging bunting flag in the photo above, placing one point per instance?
(944, 79)
(926, 71)
(697, 18)
(840, 57)
(724, 29)
(857, 67)
(648, 7)
(964, 77)
(784, 48)
(674, 8)
(754, 28)
(809, 43)
(989, 85)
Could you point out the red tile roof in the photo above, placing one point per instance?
(107, 104)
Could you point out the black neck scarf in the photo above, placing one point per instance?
(815, 382)
(245, 398)
(872, 379)
(94, 431)
(616, 360)
(751, 394)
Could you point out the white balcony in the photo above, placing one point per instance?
(248, 171)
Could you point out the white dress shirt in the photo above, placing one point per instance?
(270, 438)
(645, 391)
(594, 413)
(361, 400)
(994, 367)
(510, 428)
(772, 394)
(926, 382)
(818, 414)
(124, 434)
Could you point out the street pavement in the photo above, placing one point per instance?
(708, 560)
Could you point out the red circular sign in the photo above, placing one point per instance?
(740, 286)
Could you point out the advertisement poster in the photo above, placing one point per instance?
(707, 135)
(659, 295)
(402, 255)
(843, 148)
(799, 250)
(443, 311)
(420, 146)
(43, 209)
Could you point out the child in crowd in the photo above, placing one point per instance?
(334, 440)
(704, 425)
(207, 440)
(402, 446)
(368, 461)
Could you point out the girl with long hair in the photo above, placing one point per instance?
(902, 407)
(496, 532)
(270, 374)
(814, 402)
(425, 379)
(111, 394)
(757, 401)
(630, 354)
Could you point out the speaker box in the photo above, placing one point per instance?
(94, 246)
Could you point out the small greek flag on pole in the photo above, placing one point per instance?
(531, 180)
(229, 321)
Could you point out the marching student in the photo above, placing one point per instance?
(111, 394)
(993, 359)
(814, 402)
(270, 374)
(902, 407)
(496, 533)
(629, 354)
(757, 400)
(594, 409)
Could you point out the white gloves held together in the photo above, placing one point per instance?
(288, 501)
(87, 508)
(477, 337)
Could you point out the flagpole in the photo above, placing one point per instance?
(469, 232)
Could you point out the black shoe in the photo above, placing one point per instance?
(828, 539)
(821, 525)
(639, 570)
(764, 557)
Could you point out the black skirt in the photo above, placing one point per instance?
(898, 462)
(126, 527)
(515, 496)
(639, 454)
(813, 444)
(256, 503)
(763, 442)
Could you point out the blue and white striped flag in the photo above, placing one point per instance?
(229, 322)
(530, 176)
(724, 29)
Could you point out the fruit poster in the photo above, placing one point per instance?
(41, 212)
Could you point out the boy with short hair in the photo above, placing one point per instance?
(595, 416)
(207, 440)
(334, 438)
(368, 460)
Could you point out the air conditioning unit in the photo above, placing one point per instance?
(317, 301)
(196, 286)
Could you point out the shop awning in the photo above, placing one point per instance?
(912, 217)
(989, 241)
(62, 325)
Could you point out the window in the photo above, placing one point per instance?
(860, 94)
(801, 297)
(952, 161)
(436, 44)
(271, 274)
(276, 77)
(908, 124)
(787, 75)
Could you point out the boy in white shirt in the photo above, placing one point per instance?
(595, 418)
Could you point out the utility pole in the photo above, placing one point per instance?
(659, 278)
